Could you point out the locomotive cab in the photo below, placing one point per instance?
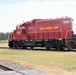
(18, 36)
(21, 29)
(20, 32)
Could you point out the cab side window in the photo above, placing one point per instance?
(23, 30)
(18, 28)
(23, 27)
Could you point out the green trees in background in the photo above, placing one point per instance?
(4, 36)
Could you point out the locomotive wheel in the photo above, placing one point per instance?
(16, 46)
(10, 47)
(32, 48)
(47, 45)
(47, 48)
(10, 44)
(59, 48)
(71, 45)
(23, 47)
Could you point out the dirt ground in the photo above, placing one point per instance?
(52, 71)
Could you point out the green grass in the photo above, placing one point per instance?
(62, 60)
(3, 44)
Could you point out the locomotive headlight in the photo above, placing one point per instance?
(30, 40)
(37, 40)
(46, 40)
(60, 38)
(18, 40)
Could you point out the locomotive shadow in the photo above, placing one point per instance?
(42, 49)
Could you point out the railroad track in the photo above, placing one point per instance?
(6, 68)
(4, 47)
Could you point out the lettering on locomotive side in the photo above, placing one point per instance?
(56, 27)
(42, 28)
(49, 28)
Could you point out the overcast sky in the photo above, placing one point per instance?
(13, 12)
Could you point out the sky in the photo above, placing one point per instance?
(13, 12)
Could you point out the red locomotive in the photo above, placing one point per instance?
(48, 33)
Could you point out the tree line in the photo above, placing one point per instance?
(4, 36)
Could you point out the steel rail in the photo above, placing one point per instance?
(4, 48)
(12, 69)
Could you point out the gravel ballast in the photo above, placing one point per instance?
(19, 67)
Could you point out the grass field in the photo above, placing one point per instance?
(42, 59)
(61, 60)
(3, 43)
